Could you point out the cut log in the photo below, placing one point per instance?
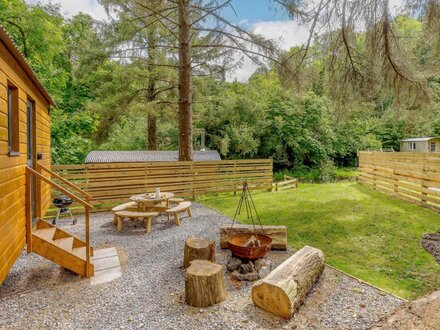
(278, 234)
(285, 288)
(198, 248)
(204, 284)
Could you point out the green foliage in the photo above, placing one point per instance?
(69, 143)
(98, 74)
(362, 232)
(327, 172)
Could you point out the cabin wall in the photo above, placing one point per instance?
(12, 169)
(437, 145)
(421, 146)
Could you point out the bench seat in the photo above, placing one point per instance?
(181, 207)
(175, 200)
(146, 216)
(130, 206)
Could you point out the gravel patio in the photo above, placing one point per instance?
(149, 295)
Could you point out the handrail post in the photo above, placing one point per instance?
(37, 191)
(87, 209)
(28, 213)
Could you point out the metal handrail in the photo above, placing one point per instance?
(87, 206)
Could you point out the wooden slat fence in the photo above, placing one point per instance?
(414, 177)
(111, 183)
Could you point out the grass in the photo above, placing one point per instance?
(362, 232)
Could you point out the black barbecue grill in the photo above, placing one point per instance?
(63, 203)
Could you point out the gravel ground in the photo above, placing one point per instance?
(149, 295)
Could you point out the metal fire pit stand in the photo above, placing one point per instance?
(249, 204)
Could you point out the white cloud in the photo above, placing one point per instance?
(70, 8)
(286, 33)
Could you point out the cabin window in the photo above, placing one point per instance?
(412, 146)
(13, 122)
(432, 147)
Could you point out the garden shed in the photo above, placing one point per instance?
(140, 156)
(420, 144)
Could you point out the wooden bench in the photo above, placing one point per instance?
(175, 200)
(146, 216)
(181, 207)
(130, 206)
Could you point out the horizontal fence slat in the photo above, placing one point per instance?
(413, 177)
(111, 183)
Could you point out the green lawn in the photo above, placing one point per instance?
(362, 232)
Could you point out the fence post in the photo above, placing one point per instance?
(424, 186)
(235, 178)
(193, 180)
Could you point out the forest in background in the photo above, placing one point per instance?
(99, 74)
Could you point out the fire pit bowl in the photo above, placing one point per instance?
(237, 246)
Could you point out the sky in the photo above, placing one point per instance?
(259, 15)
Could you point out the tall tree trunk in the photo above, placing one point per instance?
(152, 132)
(151, 90)
(185, 92)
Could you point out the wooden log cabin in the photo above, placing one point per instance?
(25, 175)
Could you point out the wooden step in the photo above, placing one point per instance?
(46, 234)
(65, 243)
(60, 247)
(80, 252)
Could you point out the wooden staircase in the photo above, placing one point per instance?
(50, 241)
(61, 247)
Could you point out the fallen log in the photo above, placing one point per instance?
(278, 234)
(204, 284)
(285, 288)
(198, 248)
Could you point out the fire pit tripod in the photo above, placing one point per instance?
(249, 245)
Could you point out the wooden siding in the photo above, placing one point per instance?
(12, 169)
(414, 177)
(116, 182)
(421, 146)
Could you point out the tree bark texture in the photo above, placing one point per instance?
(204, 284)
(198, 249)
(151, 90)
(185, 83)
(285, 288)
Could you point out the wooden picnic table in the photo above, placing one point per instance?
(148, 201)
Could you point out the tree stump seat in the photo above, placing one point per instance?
(204, 284)
(198, 248)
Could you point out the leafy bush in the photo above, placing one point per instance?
(324, 173)
(327, 171)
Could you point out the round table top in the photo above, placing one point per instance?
(151, 197)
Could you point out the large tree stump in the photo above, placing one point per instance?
(284, 289)
(278, 234)
(204, 284)
(198, 248)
